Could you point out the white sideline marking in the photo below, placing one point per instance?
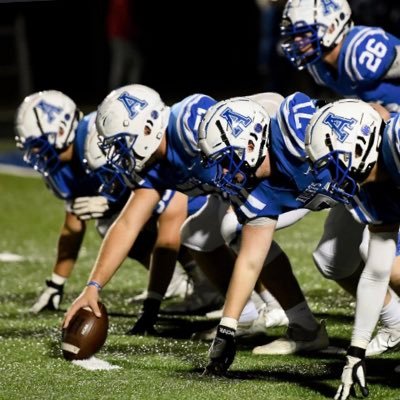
(94, 364)
(11, 257)
(18, 171)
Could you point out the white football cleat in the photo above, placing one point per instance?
(180, 286)
(266, 319)
(387, 338)
(296, 340)
(276, 317)
(216, 314)
(49, 299)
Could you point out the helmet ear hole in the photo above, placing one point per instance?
(358, 151)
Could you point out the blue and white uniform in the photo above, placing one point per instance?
(368, 68)
(72, 179)
(378, 203)
(291, 186)
(182, 169)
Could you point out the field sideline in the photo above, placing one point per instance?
(169, 367)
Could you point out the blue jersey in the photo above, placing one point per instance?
(366, 56)
(182, 169)
(379, 202)
(292, 184)
(71, 180)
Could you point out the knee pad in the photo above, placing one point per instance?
(334, 266)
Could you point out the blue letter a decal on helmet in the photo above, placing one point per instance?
(131, 104)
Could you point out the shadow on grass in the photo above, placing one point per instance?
(379, 372)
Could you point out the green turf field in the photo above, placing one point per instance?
(169, 367)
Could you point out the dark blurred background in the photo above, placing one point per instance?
(219, 47)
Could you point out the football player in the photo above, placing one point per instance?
(350, 141)
(61, 145)
(353, 61)
(157, 148)
(263, 166)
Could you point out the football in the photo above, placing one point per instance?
(85, 334)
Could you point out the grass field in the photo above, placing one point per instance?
(169, 367)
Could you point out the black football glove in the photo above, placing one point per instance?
(353, 373)
(222, 351)
(49, 299)
(147, 319)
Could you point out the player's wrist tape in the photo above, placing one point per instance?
(354, 351)
(95, 284)
(225, 332)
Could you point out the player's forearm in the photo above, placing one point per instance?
(373, 285)
(113, 251)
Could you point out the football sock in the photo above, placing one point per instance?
(58, 279)
(302, 315)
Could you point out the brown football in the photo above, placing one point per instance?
(85, 334)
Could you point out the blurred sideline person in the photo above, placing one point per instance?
(350, 141)
(353, 61)
(62, 146)
(123, 30)
(156, 148)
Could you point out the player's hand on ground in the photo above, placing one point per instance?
(147, 318)
(222, 351)
(88, 298)
(354, 374)
(90, 207)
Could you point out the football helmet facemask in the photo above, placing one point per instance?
(310, 28)
(131, 122)
(344, 138)
(45, 126)
(233, 135)
(113, 186)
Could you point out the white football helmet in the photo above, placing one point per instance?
(233, 135)
(45, 125)
(344, 138)
(131, 122)
(311, 27)
(112, 183)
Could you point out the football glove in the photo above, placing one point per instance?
(50, 298)
(353, 373)
(222, 351)
(147, 319)
(90, 207)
